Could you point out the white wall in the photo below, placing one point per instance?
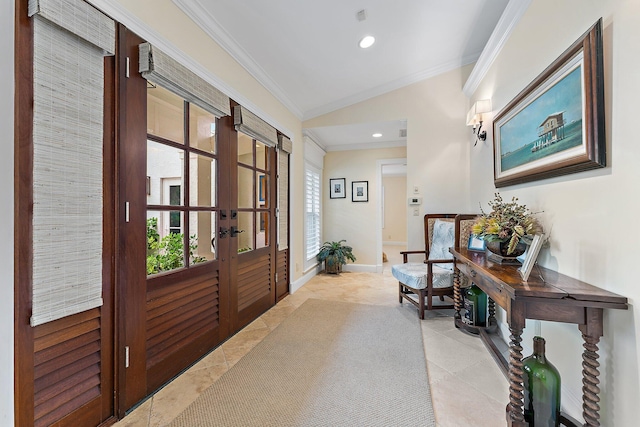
(395, 209)
(355, 222)
(437, 142)
(592, 216)
(6, 212)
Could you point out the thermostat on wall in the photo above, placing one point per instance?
(415, 200)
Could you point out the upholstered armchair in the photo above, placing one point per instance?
(418, 283)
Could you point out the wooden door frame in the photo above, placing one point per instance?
(131, 112)
(23, 243)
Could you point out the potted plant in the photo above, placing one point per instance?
(507, 228)
(334, 255)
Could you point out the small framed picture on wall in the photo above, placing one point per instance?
(336, 188)
(360, 191)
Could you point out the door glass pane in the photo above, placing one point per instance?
(261, 155)
(202, 226)
(262, 230)
(245, 149)
(245, 238)
(245, 187)
(202, 181)
(202, 129)
(165, 244)
(165, 114)
(165, 171)
(263, 190)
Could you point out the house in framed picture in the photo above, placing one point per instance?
(172, 168)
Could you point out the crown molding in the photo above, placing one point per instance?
(507, 22)
(118, 12)
(312, 137)
(390, 86)
(208, 23)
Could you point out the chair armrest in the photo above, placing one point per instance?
(404, 254)
(438, 261)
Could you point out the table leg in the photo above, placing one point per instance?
(492, 313)
(457, 297)
(516, 395)
(591, 333)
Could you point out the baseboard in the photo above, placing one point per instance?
(297, 284)
(362, 268)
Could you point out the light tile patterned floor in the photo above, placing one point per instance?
(467, 387)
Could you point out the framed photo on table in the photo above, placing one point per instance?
(476, 244)
(360, 191)
(336, 188)
(531, 256)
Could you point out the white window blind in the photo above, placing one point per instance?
(160, 68)
(285, 147)
(312, 211)
(70, 39)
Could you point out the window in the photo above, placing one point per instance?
(312, 213)
(253, 193)
(181, 185)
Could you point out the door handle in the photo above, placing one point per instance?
(235, 231)
(224, 232)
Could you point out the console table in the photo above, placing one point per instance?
(546, 295)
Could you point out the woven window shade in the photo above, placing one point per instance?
(285, 148)
(68, 73)
(160, 68)
(80, 18)
(252, 125)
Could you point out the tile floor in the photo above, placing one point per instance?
(467, 386)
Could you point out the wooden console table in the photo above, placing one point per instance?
(547, 295)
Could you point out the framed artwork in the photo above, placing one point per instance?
(336, 188)
(476, 243)
(531, 256)
(360, 191)
(555, 126)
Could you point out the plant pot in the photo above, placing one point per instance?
(332, 266)
(500, 250)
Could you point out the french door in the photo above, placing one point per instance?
(196, 255)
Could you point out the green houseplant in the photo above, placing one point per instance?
(334, 255)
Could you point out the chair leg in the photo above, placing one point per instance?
(400, 292)
(421, 298)
(429, 297)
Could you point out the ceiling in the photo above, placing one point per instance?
(306, 52)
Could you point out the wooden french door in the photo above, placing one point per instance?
(174, 197)
(252, 229)
(197, 249)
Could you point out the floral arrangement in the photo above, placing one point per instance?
(507, 222)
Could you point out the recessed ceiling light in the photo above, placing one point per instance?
(367, 41)
(376, 135)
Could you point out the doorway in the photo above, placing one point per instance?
(392, 211)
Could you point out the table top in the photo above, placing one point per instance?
(542, 282)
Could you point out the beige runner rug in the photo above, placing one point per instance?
(328, 364)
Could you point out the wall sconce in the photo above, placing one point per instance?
(474, 118)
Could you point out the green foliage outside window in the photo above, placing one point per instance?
(167, 253)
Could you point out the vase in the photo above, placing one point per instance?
(541, 381)
(501, 249)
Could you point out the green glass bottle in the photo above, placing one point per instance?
(475, 306)
(541, 388)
